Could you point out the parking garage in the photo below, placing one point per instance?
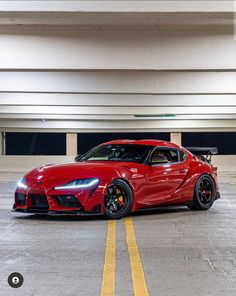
(75, 74)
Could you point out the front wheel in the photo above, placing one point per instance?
(204, 193)
(118, 199)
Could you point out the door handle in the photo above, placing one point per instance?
(183, 171)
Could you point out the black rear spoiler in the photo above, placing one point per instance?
(204, 153)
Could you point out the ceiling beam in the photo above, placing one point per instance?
(115, 110)
(137, 126)
(175, 100)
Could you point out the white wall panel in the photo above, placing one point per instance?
(116, 6)
(136, 82)
(71, 48)
(85, 99)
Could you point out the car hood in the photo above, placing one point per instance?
(52, 175)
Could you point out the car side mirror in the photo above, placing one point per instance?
(78, 157)
(158, 159)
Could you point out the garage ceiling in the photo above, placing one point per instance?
(117, 66)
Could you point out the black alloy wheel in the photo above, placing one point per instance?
(204, 193)
(118, 199)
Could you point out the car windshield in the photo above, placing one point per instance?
(120, 152)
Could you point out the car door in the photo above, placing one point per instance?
(164, 176)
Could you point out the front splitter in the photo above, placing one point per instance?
(56, 213)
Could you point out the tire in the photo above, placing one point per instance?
(118, 199)
(204, 194)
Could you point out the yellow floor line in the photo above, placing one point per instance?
(108, 283)
(139, 283)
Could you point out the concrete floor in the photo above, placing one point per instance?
(183, 252)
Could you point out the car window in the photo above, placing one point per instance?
(161, 156)
(120, 152)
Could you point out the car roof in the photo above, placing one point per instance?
(148, 142)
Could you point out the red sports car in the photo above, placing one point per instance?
(119, 177)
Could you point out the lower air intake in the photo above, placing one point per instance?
(68, 201)
(20, 199)
(39, 201)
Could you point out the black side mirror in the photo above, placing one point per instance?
(78, 157)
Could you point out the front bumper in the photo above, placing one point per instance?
(96, 212)
(63, 202)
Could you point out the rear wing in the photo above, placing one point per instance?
(204, 153)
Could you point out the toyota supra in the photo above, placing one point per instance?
(119, 177)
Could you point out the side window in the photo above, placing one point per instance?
(161, 156)
(182, 155)
(173, 156)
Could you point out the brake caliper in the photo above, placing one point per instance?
(120, 200)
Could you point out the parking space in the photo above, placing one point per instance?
(181, 252)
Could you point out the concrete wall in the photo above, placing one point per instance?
(74, 48)
(225, 163)
(26, 163)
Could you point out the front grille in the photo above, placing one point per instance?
(20, 199)
(68, 201)
(39, 201)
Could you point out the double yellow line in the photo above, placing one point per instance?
(109, 271)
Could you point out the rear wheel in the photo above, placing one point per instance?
(118, 199)
(204, 193)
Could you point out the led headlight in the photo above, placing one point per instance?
(79, 183)
(21, 184)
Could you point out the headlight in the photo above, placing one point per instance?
(80, 183)
(21, 184)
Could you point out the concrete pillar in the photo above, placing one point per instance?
(71, 144)
(2, 144)
(176, 138)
